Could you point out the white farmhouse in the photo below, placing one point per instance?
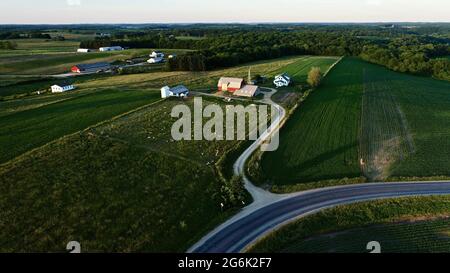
(156, 57)
(282, 80)
(157, 54)
(155, 60)
(62, 88)
(179, 91)
(110, 48)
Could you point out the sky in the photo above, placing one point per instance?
(221, 11)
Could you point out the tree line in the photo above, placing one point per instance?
(398, 49)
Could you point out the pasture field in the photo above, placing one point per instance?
(122, 186)
(364, 123)
(39, 124)
(207, 81)
(419, 224)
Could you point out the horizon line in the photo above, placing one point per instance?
(232, 23)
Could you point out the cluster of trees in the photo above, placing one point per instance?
(96, 44)
(411, 56)
(411, 50)
(8, 45)
(24, 35)
(187, 62)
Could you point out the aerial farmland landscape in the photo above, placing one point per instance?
(191, 134)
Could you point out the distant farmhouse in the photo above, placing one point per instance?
(230, 84)
(179, 91)
(91, 68)
(282, 80)
(249, 91)
(84, 50)
(62, 88)
(156, 57)
(110, 48)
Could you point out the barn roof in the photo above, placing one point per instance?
(247, 91)
(231, 82)
(93, 66)
(179, 89)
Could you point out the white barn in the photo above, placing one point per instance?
(157, 54)
(62, 88)
(156, 57)
(110, 48)
(84, 50)
(282, 80)
(178, 91)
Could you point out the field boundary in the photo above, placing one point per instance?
(19, 157)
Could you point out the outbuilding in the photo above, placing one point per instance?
(177, 91)
(110, 48)
(60, 88)
(91, 68)
(248, 91)
(230, 84)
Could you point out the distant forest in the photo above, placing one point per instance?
(420, 49)
(416, 50)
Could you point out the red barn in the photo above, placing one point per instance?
(230, 84)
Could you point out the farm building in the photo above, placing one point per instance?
(282, 80)
(157, 54)
(62, 88)
(155, 60)
(178, 91)
(91, 68)
(230, 84)
(110, 48)
(249, 91)
(156, 57)
(84, 50)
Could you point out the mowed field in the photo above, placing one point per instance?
(402, 225)
(364, 122)
(121, 186)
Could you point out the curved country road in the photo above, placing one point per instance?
(237, 236)
(270, 211)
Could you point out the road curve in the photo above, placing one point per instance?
(236, 237)
(271, 211)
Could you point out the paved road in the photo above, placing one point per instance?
(237, 236)
(270, 211)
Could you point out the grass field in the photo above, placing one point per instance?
(364, 122)
(46, 57)
(31, 128)
(123, 186)
(400, 225)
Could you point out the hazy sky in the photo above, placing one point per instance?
(186, 11)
